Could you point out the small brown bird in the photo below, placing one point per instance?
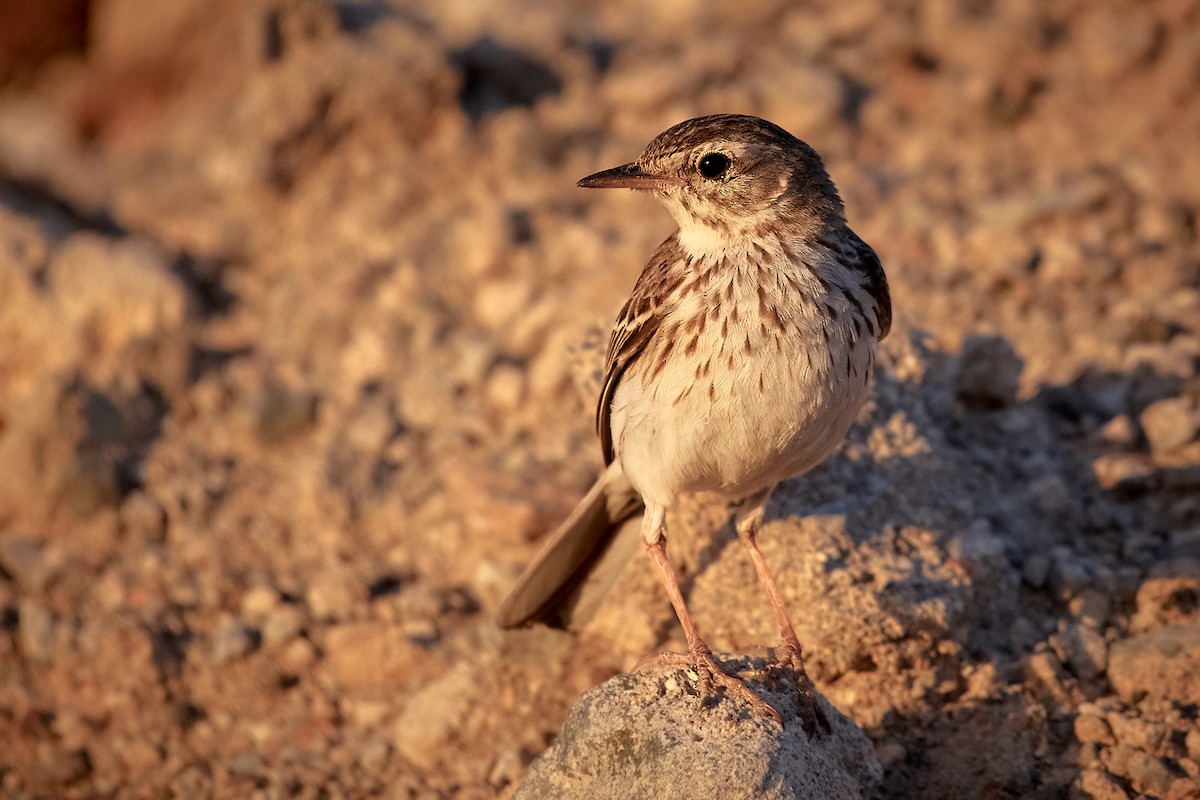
(740, 360)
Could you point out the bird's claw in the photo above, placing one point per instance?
(812, 716)
(710, 673)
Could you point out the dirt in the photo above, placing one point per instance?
(290, 298)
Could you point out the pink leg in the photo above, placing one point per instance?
(749, 520)
(699, 654)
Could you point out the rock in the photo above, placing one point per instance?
(1090, 728)
(334, 593)
(1135, 732)
(647, 734)
(1092, 606)
(282, 624)
(989, 373)
(284, 412)
(1043, 668)
(508, 768)
(231, 639)
(1035, 570)
(1069, 575)
(1099, 785)
(111, 291)
(1125, 473)
(1171, 423)
(1170, 595)
(1120, 430)
(1083, 649)
(363, 654)
(1184, 789)
(258, 602)
(24, 558)
(1148, 774)
(980, 552)
(1164, 663)
(38, 630)
(433, 714)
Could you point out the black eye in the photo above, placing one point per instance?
(714, 165)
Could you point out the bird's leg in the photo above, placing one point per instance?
(699, 655)
(748, 522)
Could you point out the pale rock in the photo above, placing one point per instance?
(432, 715)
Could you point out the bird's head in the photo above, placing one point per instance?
(726, 175)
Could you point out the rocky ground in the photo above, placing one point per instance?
(288, 295)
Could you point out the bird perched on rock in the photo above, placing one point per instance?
(741, 358)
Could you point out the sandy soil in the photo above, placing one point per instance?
(288, 296)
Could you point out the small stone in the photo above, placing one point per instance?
(1171, 423)
(1022, 635)
(1043, 667)
(1035, 570)
(890, 754)
(37, 629)
(363, 654)
(983, 682)
(1169, 595)
(1148, 774)
(374, 756)
(365, 713)
(1164, 663)
(333, 594)
(1092, 607)
(1120, 430)
(433, 714)
(499, 302)
(505, 387)
(246, 765)
(298, 656)
(1137, 732)
(509, 768)
(1192, 741)
(1083, 649)
(1125, 473)
(25, 559)
(62, 767)
(284, 412)
(257, 602)
(144, 515)
(1099, 785)
(231, 639)
(980, 552)
(989, 373)
(1089, 728)
(1116, 759)
(1068, 576)
(1184, 789)
(282, 624)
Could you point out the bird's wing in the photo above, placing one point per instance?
(638, 323)
(874, 281)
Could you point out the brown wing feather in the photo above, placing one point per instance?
(875, 282)
(638, 323)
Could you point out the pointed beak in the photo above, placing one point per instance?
(627, 176)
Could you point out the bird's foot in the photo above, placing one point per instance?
(812, 716)
(710, 674)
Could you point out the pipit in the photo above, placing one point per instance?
(741, 358)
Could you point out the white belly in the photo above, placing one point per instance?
(765, 408)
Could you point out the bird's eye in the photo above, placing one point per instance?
(713, 165)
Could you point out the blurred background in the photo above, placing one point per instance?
(288, 296)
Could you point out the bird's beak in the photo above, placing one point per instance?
(628, 176)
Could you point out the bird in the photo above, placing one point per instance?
(740, 360)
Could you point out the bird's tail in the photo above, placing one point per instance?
(578, 565)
